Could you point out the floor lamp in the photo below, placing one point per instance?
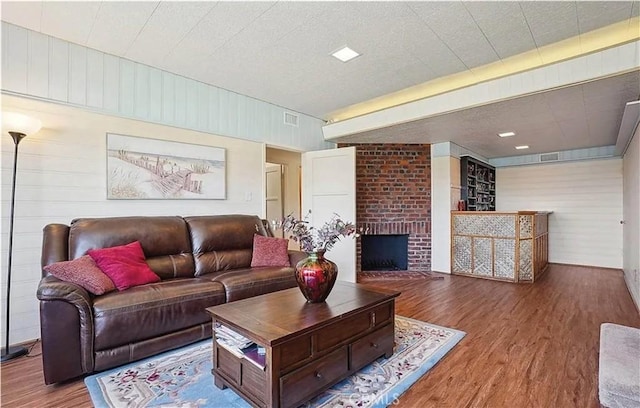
(18, 126)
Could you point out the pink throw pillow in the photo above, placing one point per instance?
(83, 272)
(125, 265)
(268, 251)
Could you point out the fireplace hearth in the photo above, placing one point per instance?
(384, 252)
(380, 265)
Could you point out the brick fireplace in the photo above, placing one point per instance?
(393, 196)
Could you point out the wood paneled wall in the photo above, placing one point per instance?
(62, 176)
(41, 66)
(62, 168)
(586, 200)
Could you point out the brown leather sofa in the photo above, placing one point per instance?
(202, 261)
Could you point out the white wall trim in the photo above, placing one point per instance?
(590, 153)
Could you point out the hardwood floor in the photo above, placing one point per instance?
(526, 345)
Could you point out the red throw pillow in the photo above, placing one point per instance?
(125, 265)
(268, 251)
(83, 272)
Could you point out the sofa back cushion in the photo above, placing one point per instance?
(223, 242)
(164, 240)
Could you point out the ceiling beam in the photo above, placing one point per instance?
(601, 64)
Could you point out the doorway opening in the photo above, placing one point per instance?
(283, 188)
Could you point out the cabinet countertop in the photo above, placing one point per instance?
(500, 212)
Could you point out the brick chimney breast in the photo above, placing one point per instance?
(393, 196)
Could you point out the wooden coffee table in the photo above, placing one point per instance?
(309, 347)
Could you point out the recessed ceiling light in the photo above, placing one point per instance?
(522, 147)
(345, 54)
(507, 134)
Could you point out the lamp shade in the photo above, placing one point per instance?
(17, 122)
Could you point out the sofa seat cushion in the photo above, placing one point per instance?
(152, 310)
(244, 283)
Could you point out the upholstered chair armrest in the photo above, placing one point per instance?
(296, 256)
(66, 321)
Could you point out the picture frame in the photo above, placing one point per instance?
(141, 168)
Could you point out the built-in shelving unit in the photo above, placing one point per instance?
(478, 182)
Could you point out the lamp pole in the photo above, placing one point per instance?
(9, 353)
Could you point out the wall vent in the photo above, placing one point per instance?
(547, 157)
(290, 119)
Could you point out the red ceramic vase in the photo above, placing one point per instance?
(316, 276)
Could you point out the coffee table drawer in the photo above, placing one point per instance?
(294, 352)
(382, 314)
(341, 331)
(299, 385)
(371, 346)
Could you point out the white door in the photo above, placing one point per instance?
(274, 201)
(328, 187)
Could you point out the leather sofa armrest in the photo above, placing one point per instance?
(296, 256)
(66, 321)
(52, 288)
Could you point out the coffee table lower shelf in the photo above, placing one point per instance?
(307, 363)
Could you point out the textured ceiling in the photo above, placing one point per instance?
(280, 51)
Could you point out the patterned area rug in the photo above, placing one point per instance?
(395, 275)
(182, 378)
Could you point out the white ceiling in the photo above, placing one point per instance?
(573, 117)
(280, 52)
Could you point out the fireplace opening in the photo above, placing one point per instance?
(384, 252)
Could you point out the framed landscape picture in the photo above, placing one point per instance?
(141, 168)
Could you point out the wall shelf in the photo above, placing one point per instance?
(478, 184)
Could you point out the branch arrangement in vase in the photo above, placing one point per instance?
(313, 239)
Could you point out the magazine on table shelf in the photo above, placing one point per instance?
(255, 354)
(240, 346)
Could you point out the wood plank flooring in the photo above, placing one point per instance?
(526, 345)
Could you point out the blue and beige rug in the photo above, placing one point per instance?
(182, 378)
